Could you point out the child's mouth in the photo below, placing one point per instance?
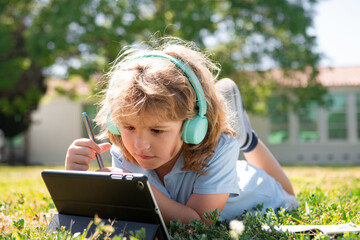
(144, 157)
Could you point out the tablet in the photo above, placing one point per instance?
(125, 198)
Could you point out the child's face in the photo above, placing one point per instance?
(154, 144)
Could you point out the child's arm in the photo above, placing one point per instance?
(81, 152)
(195, 208)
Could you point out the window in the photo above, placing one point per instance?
(358, 114)
(279, 120)
(337, 119)
(308, 119)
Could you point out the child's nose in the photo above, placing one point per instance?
(141, 143)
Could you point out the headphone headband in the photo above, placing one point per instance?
(201, 102)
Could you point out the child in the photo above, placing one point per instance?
(166, 119)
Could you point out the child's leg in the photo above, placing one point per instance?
(254, 149)
(238, 119)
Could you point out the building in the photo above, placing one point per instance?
(319, 135)
(315, 135)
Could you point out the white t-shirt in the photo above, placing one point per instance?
(248, 185)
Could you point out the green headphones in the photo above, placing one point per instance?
(194, 129)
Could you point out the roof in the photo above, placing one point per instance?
(328, 77)
(339, 76)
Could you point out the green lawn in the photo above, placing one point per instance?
(326, 195)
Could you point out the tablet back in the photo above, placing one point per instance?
(124, 197)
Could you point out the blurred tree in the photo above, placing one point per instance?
(41, 37)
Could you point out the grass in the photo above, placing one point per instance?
(327, 196)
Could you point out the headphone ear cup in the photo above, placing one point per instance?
(194, 130)
(113, 128)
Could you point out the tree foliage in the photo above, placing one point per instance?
(84, 36)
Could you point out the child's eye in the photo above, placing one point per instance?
(130, 128)
(157, 131)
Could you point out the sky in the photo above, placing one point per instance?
(337, 27)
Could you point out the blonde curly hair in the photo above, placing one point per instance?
(139, 86)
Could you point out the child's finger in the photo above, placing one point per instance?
(104, 147)
(85, 142)
(83, 159)
(79, 158)
(76, 166)
(82, 151)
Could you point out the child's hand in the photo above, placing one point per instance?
(81, 152)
